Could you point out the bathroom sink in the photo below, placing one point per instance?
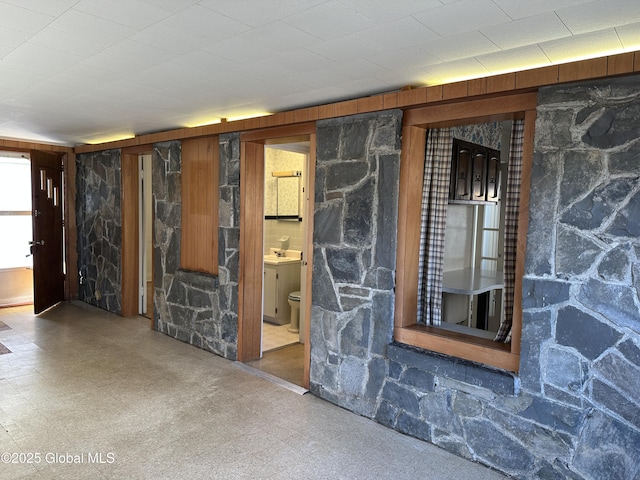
(275, 260)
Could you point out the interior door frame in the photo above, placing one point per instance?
(251, 238)
(130, 228)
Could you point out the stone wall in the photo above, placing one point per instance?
(572, 410)
(355, 229)
(99, 225)
(194, 307)
(581, 331)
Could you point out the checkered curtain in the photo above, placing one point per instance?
(512, 206)
(435, 195)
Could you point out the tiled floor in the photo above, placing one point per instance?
(276, 336)
(86, 394)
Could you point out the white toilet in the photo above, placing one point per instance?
(294, 303)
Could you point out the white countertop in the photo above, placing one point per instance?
(471, 281)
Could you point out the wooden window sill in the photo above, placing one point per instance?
(468, 347)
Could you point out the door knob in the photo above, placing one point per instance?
(37, 242)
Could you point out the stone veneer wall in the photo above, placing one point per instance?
(355, 229)
(99, 226)
(581, 336)
(194, 307)
(572, 411)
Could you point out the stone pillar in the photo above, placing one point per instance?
(355, 227)
(99, 225)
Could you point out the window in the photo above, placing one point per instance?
(199, 236)
(418, 320)
(15, 210)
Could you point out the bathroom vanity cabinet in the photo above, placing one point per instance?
(280, 279)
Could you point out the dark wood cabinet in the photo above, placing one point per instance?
(475, 173)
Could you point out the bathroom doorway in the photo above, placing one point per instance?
(285, 238)
(285, 221)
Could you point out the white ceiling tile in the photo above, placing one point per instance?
(522, 58)
(527, 31)
(200, 62)
(600, 14)
(68, 42)
(414, 57)
(128, 54)
(84, 25)
(48, 7)
(456, 71)
(39, 60)
(406, 32)
(239, 49)
(329, 20)
(345, 49)
(280, 37)
(172, 5)
(10, 38)
(526, 8)
(462, 16)
(206, 24)
(629, 36)
(132, 13)
(14, 82)
(460, 46)
(22, 19)
(586, 45)
(353, 70)
(382, 11)
(167, 38)
(258, 13)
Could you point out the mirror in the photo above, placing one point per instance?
(288, 198)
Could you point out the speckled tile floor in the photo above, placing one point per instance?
(86, 394)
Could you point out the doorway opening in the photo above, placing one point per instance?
(284, 322)
(273, 244)
(16, 261)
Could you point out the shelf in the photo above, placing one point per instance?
(471, 281)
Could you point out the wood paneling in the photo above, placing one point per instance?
(479, 110)
(523, 223)
(130, 229)
(537, 77)
(71, 232)
(571, 72)
(407, 254)
(620, 64)
(308, 258)
(501, 83)
(199, 235)
(454, 90)
(251, 250)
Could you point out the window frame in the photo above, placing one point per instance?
(416, 123)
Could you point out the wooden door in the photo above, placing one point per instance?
(47, 244)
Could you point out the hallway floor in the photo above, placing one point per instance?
(86, 394)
